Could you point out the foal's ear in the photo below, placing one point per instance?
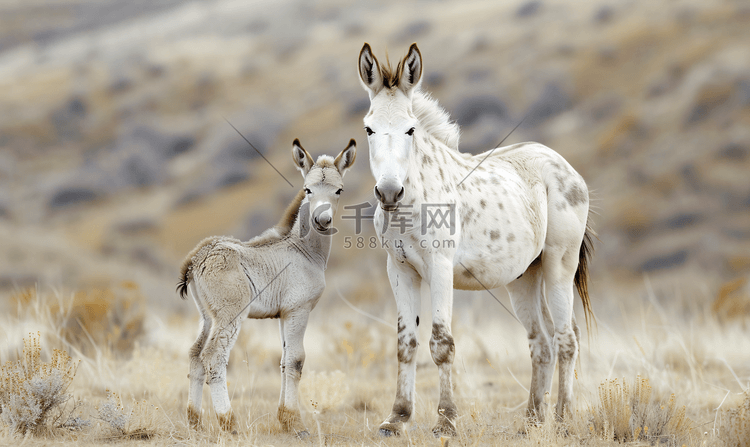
(302, 160)
(411, 70)
(345, 159)
(369, 71)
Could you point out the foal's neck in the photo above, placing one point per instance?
(312, 244)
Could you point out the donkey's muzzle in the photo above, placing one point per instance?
(389, 194)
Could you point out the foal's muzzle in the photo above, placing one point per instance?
(389, 194)
(322, 217)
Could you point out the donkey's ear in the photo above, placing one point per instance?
(302, 160)
(411, 70)
(369, 71)
(345, 159)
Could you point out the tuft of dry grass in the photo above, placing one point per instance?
(33, 393)
(628, 413)
(735, 431)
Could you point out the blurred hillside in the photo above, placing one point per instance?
(115, 156)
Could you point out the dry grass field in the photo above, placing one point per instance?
(645, 377)
(116, 159)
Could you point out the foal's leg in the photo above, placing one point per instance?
(283, 362)
(215, 357)
(406, 284)
(442, 347)
(294, 325)
(197, 373)
(559, 269)
(526, 294)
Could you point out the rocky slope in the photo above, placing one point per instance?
(116, 155)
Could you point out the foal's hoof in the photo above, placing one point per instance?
(387, 433)
(388, 429)
(444, 427)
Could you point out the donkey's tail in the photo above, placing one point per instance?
(582, 274)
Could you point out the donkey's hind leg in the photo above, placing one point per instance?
(215, 358)
(197, 373)
(559, 269)
(526, 294)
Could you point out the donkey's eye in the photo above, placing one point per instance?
(369, 131)
(410, 132)
(339, 191)
(307, 191)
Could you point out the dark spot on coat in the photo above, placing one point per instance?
(442, 174)
(297, 366)
(494, 235)
(417, 320)
(500, 205)
(483, 203)
(511, 237)
(402, 409)
(575, 195)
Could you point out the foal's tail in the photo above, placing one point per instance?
(186, 276)
(582, 274)
(186, 270)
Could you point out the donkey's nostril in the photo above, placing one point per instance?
(377, 194)
(400, 195)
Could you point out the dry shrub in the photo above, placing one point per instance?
(33, 393)
(628, 413)
(136, 423)
(111, 318)
(735, 431)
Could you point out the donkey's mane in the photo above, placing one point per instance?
(431, 115)
(391, 77)
(435, 120)
(285, 225)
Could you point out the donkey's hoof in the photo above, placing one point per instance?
(303, 434)
(444, 427)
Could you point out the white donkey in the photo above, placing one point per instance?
(514, 216)
(279, 274)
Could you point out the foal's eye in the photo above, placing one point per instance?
(339, 191)
(410, 132)
(369, 131)
(307, 191)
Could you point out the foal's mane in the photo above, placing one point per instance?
(433, 117)
(285, 225)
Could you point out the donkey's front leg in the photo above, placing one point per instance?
(442, 347)
(293, 325)
(406, 285)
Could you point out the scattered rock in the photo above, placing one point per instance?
(470, 110)
(733, 151)
(604, 14)
(709, 98)
(529, 9)
(683, 220)
(552, 101)
(414, 30)
(68, 196)
(663, 262)
(68, 119)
